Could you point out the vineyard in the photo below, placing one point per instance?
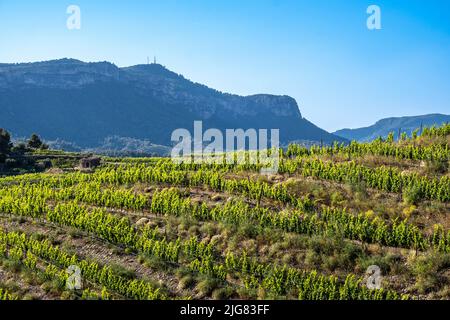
(152, 229)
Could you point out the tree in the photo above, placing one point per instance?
(35, 142)
(5, 144)
(20, 148)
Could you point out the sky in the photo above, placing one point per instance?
(320, 52)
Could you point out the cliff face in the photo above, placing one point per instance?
(175, 88)
(87, 102)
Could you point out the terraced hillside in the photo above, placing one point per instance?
(146, 228)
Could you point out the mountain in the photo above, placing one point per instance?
(85, 104)
(384, 126)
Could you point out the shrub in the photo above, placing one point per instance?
(123, 272)
(222, 293)
(412, 194)
(154, 262)
(437, 166)
(425, 268)
(206, 286)
(186, 282)
(337, 198)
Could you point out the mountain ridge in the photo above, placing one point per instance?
(383, 127)
(87, 102)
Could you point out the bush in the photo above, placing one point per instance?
(186, 282)
(425, 268)
(437, 166)
(312, 259)
(246, 293)
(412, 194)
(75, 234)
(154, 262)
(55, 287)
(209, 228)
(12, 265)
(206, 286)
(247, 230)
(359, 187)
(63, 163)
(122, 271)
(386, 262)
(11, 163)
(337, 199)
(222, 293)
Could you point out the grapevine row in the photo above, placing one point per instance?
(330, 221)
(376, 148)
(6, 295)
(309, 285)
(103, 275)
(169, 201)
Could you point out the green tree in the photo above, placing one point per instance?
(20, 148)
(5, 144)
(35, 142)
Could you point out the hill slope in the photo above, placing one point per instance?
(384, 126)
(87, 103)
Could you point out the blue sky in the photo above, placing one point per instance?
(319, 52)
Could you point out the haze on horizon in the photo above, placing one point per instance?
(321, 53)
